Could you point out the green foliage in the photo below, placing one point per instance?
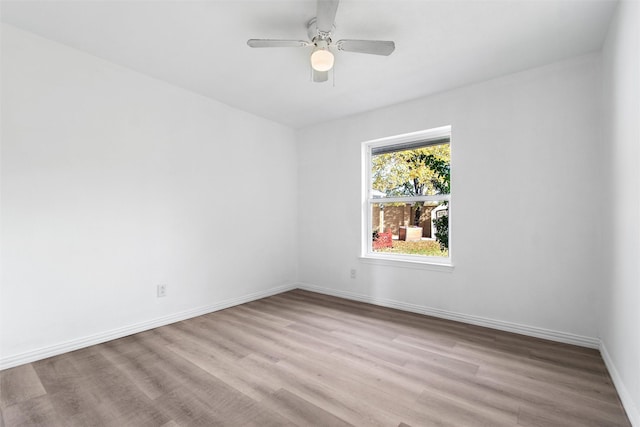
(442, 184)
(441, 179)
(442, 231)
(419, 172)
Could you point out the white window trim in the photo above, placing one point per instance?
(398, 260)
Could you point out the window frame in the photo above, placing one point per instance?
(402, 260)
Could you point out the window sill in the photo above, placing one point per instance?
(407, 262)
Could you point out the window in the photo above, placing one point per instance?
(407, 195)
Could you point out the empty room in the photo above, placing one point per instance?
(320, 213)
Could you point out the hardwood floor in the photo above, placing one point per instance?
(301, 358)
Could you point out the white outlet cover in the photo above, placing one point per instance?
(162, 291)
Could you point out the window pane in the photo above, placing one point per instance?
(423, 171)
(411, 228)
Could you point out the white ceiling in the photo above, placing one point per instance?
(201, 46)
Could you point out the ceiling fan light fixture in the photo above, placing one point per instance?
(322, 59)
(320, 30)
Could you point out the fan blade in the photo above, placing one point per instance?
(277, 43)
(374, 47)
(326, 15)
(320, 76)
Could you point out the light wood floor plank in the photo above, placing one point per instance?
(301, 412)
(19, 384)
(301, 358)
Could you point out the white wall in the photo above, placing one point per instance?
(113, 182)
(620, 298)
(527, 211)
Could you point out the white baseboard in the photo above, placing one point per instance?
(532, 331)
(627, 401)
(625, 397)
(76, 344)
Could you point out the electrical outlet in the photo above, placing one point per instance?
(162, 291)
(353, 273)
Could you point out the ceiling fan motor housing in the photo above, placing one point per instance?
(315, 34)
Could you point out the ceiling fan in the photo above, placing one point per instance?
(319, 30)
